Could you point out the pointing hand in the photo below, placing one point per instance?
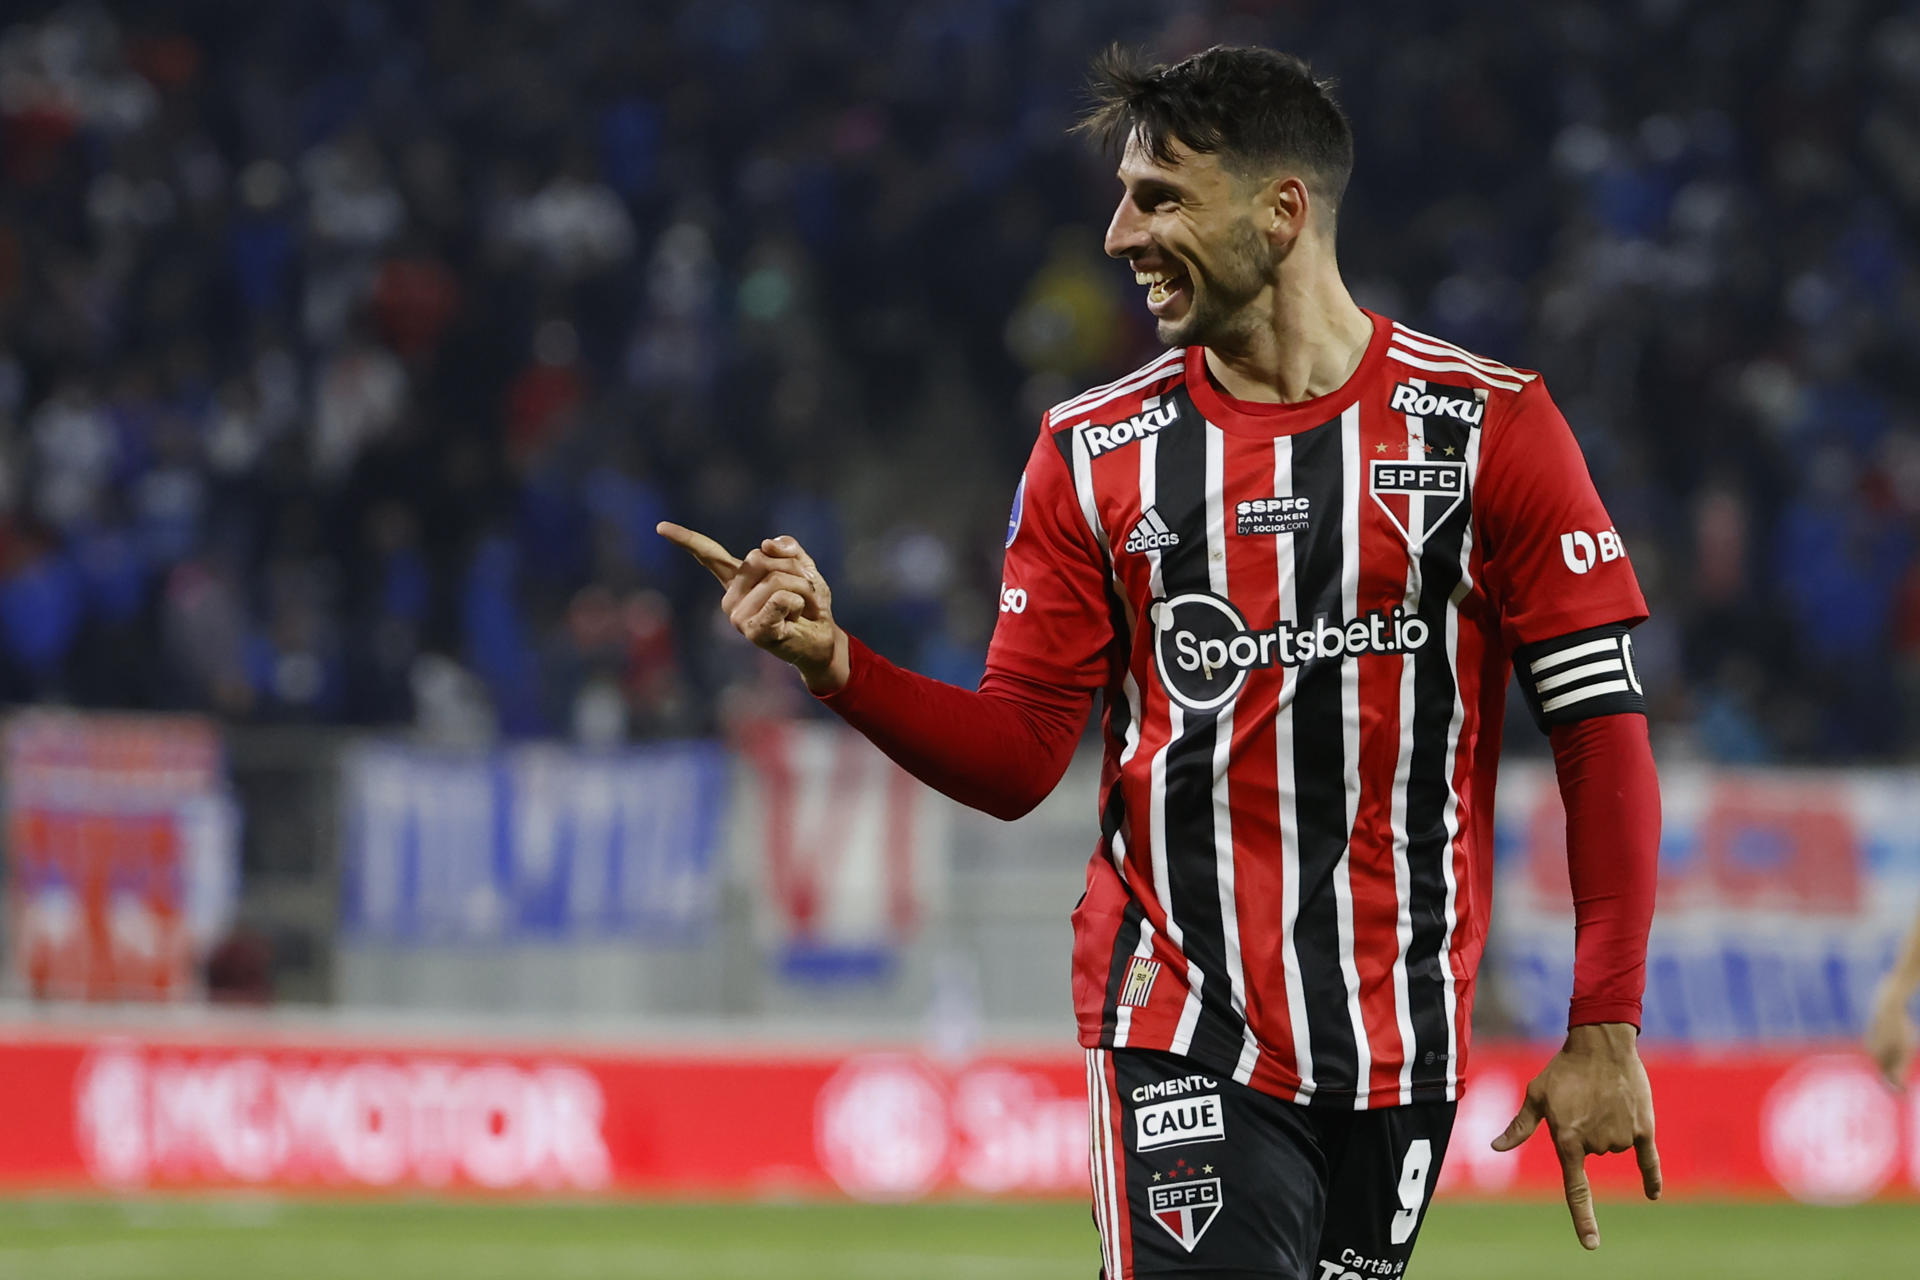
(1595, 1099)
(776, 598)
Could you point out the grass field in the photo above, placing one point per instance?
(213, 1239)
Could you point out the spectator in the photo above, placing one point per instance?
(348, 355)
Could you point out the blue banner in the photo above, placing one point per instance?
(531, 843)
(1783, 896)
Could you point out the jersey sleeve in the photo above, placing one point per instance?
(1554, 563)
(1055, 621)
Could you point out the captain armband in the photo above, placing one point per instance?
(1579, 676)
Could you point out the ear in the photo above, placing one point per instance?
(1286, 208)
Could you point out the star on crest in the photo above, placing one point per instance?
(1381, 447)
(1206, 1168)
(1451, 451)
(1156, 1177)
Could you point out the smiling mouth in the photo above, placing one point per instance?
(1162, 287)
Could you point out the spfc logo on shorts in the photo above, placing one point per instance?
(1185, 1209)
(1417, 494)
(1139, 985)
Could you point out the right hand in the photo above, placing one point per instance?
(1891, 1036)
(776, 598)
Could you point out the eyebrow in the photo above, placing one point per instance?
(1151, 181)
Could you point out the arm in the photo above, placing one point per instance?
(1891, 1036)
(1567, 599)
(1001, 748)
(1594, 1093)
(1612, 797)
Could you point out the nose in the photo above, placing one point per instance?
(1127, 232)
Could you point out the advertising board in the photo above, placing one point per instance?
(341, 1114)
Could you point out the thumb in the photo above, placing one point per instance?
(1524, 1123)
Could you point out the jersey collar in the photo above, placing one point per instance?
(1259, 418)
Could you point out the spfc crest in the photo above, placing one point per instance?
(1185, 1209)
(1418, 494)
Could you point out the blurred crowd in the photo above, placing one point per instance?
(349, 352)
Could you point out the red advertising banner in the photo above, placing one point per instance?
(315, 1113)
(122, 858)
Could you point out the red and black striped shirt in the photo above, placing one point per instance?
(1302, 618)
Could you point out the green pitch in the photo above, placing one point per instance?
(214, 1239)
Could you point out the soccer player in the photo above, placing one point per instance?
(1891, 1036)
(1298, 553)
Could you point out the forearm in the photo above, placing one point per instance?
(1000, 749)
(1612, 796)
(1903, 980)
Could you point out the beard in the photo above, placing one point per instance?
(1217, 316)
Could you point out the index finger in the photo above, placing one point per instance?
(1573, 1172)
(1649, 1157)
(717, 560)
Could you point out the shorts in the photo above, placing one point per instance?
(1197, 1175)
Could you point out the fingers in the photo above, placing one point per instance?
(1573, 1172)
(716, 559)
(1649, 1157)
(1524, 1123)
(744, 606)
(1894, 1061)
(788, 546)
(760, 565)
(772, 623)
(1890, 1043)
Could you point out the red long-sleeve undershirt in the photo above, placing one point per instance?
(1003, 748)
(1612, 797)
(1000, 750)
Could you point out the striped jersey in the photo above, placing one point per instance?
(1302, 617)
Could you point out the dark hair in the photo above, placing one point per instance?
(1257, 109)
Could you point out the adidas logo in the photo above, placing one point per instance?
(1151, 532)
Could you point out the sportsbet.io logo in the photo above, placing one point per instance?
(1204, 648)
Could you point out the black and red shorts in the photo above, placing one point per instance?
(1197, 1175)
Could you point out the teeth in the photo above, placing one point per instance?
(1152, 277)
(1159, 292)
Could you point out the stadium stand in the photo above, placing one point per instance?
(348, 353)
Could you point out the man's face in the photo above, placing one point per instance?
(1190, 231)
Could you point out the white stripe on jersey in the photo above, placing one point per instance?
(1350, 469)
(1451, 366)
(1403, 774)
(1157, 784)
(1451, 811)
(1159, 365)
(1087, 401)
(1223, 869)
(1414, 340)
(1287, 782)
(1131, 688)
(1083, 489)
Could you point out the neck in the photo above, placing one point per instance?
(1309, 346)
